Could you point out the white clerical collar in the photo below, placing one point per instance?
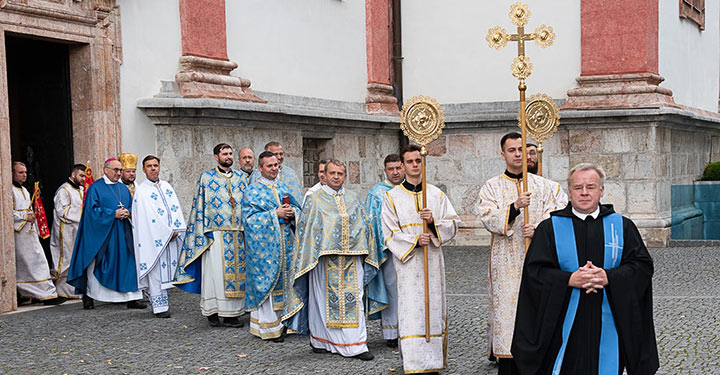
(330, 190)
(228, 173)
(268, 181)
(107, 180)
(147, 180)
(582, 216)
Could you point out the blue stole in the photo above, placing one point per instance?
(608, 363)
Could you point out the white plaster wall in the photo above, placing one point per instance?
(312, 48)
(688, 58)
(151, 48)
(447, 57)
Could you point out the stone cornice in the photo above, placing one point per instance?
(285, 110)
(87, 17)
(281, 112)
(504, 114)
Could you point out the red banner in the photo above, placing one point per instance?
(40, 218)
(88, 179)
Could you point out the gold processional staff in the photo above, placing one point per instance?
(540, 116)
(422, 120)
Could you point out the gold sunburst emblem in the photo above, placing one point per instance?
(521, 67)
(544, 36)
(519, 14)
(497, 37)
(422, 119)
(542, 117)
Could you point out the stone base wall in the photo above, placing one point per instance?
(186, 151)
(188, 129)
(643, 151)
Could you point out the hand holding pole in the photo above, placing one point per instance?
(422, 120)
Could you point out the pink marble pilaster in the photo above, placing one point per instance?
(619, 51)
(205, 66)
(378, 29)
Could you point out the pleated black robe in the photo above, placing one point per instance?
(544, 296)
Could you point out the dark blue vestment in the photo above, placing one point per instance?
(108, 240)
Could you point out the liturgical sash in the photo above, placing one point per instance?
(608, 363)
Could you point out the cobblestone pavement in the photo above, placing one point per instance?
(114, 340)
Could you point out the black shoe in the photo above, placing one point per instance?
(54, 301)
(282, 336)
(232, 322)
(137, 304)
(23, 300)
(366, 356)
(319, 350)
(393, 343)
(88, 303)
(214, 320)
(164, 314)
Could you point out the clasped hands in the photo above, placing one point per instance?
(588, 277)
(122, 213)
(30, 218)
(285, 211)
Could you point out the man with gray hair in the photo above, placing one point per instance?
(585, 302)
(103, 261)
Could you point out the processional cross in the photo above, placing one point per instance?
(422, 120)
(540, 116)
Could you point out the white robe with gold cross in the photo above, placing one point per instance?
(507, 248)
(68, 209)
(31, 266)
(402, 227)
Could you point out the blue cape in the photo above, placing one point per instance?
(102, 237)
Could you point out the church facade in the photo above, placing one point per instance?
(637, 82)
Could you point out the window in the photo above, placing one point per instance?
(693, 10)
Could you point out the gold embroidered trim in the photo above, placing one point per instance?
(405, 256)
(423, 371)
(33, 281)
(256, 321)
(420, 336)
(235, 294)
(342, 289)
(345, 220)
(266, 335)
(411, 225)
(387, 193)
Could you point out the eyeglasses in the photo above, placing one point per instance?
(116, 170)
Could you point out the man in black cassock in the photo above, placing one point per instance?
(585, 303)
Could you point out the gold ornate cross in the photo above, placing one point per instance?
(498, 37)
(521, 68)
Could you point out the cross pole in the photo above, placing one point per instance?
(521, 69)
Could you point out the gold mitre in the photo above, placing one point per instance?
(128, 161)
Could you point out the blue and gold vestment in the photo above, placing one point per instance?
(269, 243)
(287, 176)
(216, 208)
(335, 227)
(376, 286)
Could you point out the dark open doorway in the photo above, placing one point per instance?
(40, 114)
